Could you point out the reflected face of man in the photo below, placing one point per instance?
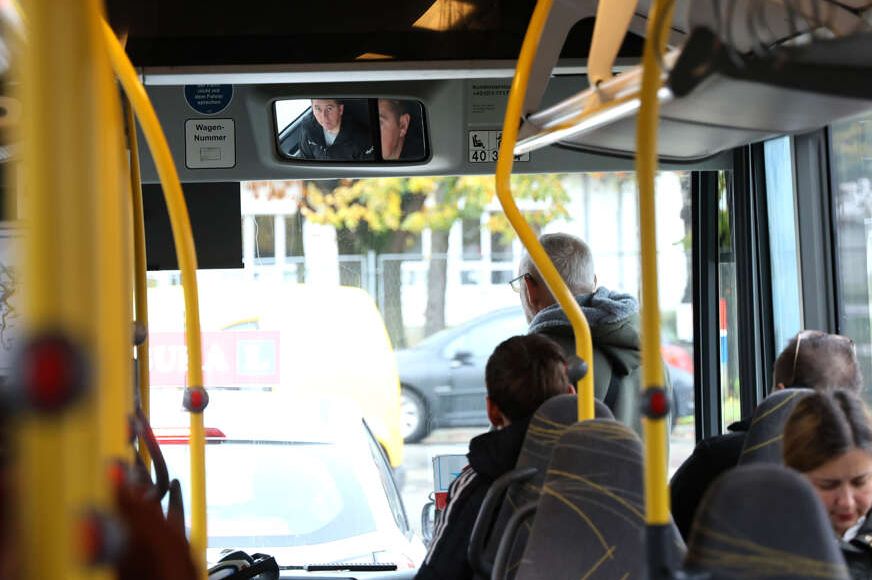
(393, 127)
(328, 113)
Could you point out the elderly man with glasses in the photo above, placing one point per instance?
(613, 318)
(811, 359)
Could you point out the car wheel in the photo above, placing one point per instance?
(413, 416)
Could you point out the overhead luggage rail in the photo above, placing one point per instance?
(766, 52)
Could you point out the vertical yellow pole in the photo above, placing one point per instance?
(114, 314)
(140, 281)
(64, 142)
(656, 492)
(659, 536)
(184, 241)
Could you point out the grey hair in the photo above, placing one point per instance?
(571, 257)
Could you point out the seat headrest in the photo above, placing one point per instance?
(763, 444)
(763, 521)
(591, 516)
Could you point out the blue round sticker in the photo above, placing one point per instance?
(208, 99)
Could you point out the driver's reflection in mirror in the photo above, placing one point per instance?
(394, 118)
(329, 134)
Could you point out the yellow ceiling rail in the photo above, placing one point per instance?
(543, 263)
(185, 251)
(655, 400)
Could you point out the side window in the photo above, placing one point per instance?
(781, 205)
(731, 406)
(851, 163)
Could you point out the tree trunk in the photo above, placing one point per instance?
(392, 287)
(392, 281)
(436, 282)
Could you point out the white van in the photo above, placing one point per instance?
(285, 338)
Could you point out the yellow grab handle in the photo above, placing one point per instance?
(550, 275)
(184, 241)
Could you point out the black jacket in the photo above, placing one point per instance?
(490, 456)
(858, 552)
(709, 459)
(352, 143)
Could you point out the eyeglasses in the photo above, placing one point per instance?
(515, 283)
(811, 336)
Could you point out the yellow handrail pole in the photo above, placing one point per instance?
(184, 241)
(140, 282)
(550, 275)
(112, 253)
(59, 454)
(654, 424)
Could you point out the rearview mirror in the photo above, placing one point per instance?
(330, 129)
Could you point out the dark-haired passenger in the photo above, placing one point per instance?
(521, 374)
(328, 134)
(395, 120)
(828, 439)
(812, 359)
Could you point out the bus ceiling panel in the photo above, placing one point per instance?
(233, 135)
(171, 33)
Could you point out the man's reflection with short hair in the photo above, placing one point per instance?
(327, 133)
(394, 122)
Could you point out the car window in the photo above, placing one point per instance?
(481, 339)
(264, 495)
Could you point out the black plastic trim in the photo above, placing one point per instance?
(706, 371)
(816, 233)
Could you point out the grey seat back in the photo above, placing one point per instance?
(763, 521)
(546, 427)
(590, 521)
(763, 443)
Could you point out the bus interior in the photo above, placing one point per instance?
(352, 283)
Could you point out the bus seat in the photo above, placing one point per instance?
(590, 521)
(763, 442)
(763, 521)
(522, 484)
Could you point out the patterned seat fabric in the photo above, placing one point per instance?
(763, 443)
(590, 521)
(547, 425)
(763, 521)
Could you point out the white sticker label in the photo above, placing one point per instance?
(210, 143)
(484, 147)
(446, 468)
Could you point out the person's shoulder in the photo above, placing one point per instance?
(721, 448)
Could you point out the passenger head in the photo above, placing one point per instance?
(328, 113)
(521, 374)
(574, 262)
(393, 121)
(828, 439)
(818, 360)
